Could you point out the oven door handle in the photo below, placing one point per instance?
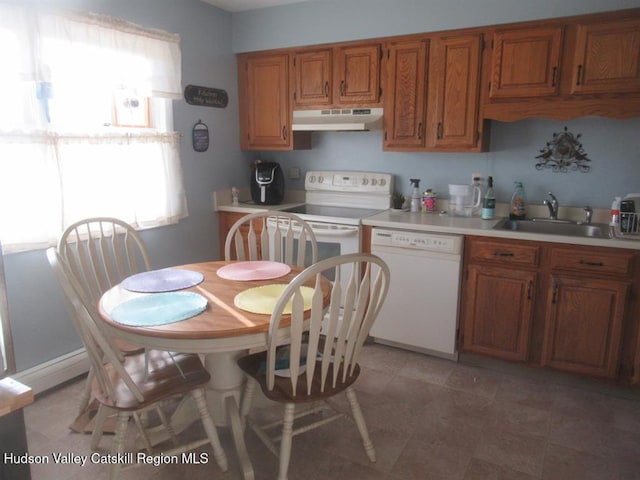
(320, 229)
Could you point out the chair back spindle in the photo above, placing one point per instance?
(329, 339)
(272, 235)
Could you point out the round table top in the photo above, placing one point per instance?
(221, 319)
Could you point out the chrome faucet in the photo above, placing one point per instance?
(588, 213)
(553, 206)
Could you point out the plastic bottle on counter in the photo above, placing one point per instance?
(429, 201)
(615, 212)
(415, 195)
(518, 203)
(489, 202)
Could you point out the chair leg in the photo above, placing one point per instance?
(247, 398)
(285, 443)
(85, 398)
(119, 441)
(210, 428)
(362, 426)
(101, 416)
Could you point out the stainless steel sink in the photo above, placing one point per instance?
(567, 228)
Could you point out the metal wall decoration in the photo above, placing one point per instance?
(563, 153)
(206, 96)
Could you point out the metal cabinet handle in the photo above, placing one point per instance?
(439, 131)
(284, 132)
(342, 85)
(579, 75)
(503, 254)
(554, 299)
(529, 288)
(326, 89)
(553, 76)
(420, 131)
(591, 264)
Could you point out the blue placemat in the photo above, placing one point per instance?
(159, 309)
(164, 280)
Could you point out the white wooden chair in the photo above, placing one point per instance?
(124, 385)
(272, 235)
(101, 252)
(321, 359)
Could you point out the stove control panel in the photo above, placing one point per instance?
(355, 182)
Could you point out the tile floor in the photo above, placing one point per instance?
(429, 419)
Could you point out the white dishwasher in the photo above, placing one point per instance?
(421, 309)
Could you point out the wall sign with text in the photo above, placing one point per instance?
(206, 96)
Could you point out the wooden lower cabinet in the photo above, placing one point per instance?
(499, 311)
(544, 304)
(583, 325)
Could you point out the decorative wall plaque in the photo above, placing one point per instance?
(200, 137)
(563, 154)
(206, 96)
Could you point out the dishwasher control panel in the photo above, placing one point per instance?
(433, 242)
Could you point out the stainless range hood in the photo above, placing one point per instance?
(338, 119)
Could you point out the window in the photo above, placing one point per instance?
(85, 124)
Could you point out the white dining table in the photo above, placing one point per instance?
(222, 333)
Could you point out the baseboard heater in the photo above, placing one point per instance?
(50, 374)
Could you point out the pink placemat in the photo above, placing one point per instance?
(258, 270)
(164, 280)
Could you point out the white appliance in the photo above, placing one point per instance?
(421, 309)
(336, 202)
(338, 119)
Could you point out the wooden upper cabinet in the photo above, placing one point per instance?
(313, 77)
(526, 62)
(265, 113)
(607, 57)
(454, 95)
(337, 76)
(357, 74)
(264, 88)
(405, 95)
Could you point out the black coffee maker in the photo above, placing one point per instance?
(267, 183)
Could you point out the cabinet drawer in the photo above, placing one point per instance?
(610, 263)
(505, 253)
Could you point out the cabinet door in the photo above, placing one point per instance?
(313, 78)
(357, 75)
(454, 81)
(498, 305)
(607, 58)
(583, 326)
(526, 62)
(264, 105)
(405, 96)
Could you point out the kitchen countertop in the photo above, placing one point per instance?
(425, 222)
(444, 223)
(222, 201)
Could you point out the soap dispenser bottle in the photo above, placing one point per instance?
(415, 195)
(518, 201)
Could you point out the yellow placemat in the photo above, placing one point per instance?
(263, 299)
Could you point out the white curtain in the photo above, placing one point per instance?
(85, 124)
(7, 360)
